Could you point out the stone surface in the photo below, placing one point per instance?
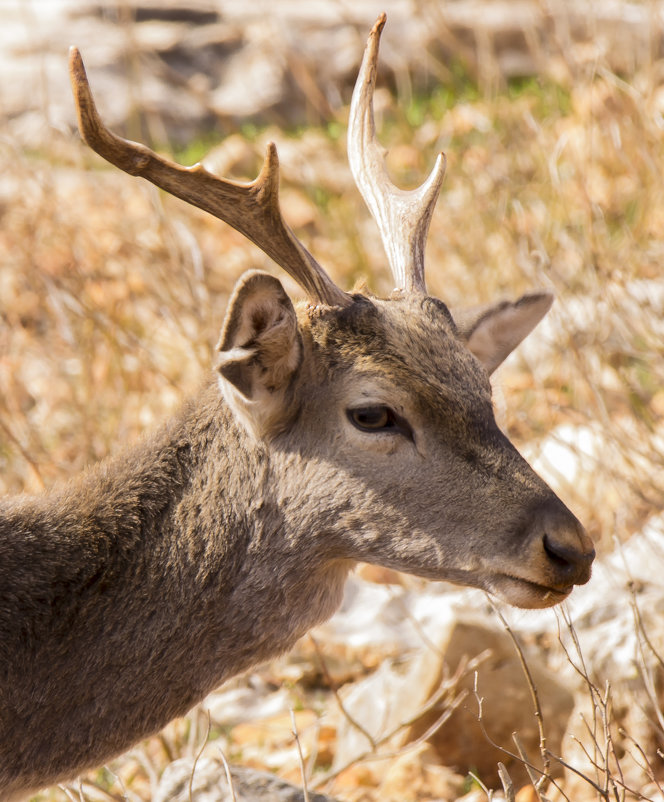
(418, 774)
(400, 688)
(210, 784)
(170, 69)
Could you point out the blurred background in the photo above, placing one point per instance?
(551, 113)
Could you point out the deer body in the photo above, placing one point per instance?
(349, 428)
(130, 593)
(126, 585)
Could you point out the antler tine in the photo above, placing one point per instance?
(403, 217)
(252, 209)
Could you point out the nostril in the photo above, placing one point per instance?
(559, 555)
(565, 551)
(568, 558)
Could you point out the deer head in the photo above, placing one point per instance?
(344, 428)
(375, 414)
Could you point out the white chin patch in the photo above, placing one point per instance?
(524, 594)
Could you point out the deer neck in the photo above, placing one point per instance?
(136, 590)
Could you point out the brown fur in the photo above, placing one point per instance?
(130, 593)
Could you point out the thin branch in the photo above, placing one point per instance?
(305, 791)
(200, 752)
(506, 782)
(593, 690)
(603, 794)
(93, 788)
(120, 782)
(545, 778)
(513, 755)
(163, 740)
(610, 746)
(447, 687)
(371, 754)
(534, 781)
(646, 767)
(229, 776)
(333, 687)
(145, 762)
(476, 779)
(592, 760)
(580, 774)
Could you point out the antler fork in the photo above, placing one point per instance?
(403, 217)
(252, 209)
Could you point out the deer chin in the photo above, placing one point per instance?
(520, 592)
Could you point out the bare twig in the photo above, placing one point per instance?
(144, 760)
(647, 766)
(94, 790)
(229, 776)
(514, 755)
(534, 780)
(506, 781)
(120, 782)
(447, 688)
(545, 777)
(333, 687)
(601, 791)
(305, 791)
(476, 779)
(372, 754)
(198, 754)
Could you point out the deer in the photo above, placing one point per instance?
(339, 429)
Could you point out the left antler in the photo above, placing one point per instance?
(403, 217)
(252, 209)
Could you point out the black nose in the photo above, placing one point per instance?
(572, 561)
(568, 550)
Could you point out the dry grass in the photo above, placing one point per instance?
(111, 294)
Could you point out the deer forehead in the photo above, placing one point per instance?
(407, 343)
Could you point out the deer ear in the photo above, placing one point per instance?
(493, 332)
(259, 350)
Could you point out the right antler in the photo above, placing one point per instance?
(252, 209)
(403, 217)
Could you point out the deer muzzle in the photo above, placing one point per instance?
(567, 552)
(556, 555)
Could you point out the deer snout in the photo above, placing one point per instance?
(567, 549)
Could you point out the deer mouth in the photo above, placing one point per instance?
(520, 592)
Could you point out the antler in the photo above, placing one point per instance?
(252, 209)
(403, 217)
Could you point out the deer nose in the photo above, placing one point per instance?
(568, 549)
(571, 561)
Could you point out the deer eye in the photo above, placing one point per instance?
(371, 418)
(378, 418)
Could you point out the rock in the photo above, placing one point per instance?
(185, 66)
(241, 703)
(419, 774)
(211, 785)
(400, 688)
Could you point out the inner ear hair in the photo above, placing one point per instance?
(260, 349)
(258, 301)
(493, 332)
